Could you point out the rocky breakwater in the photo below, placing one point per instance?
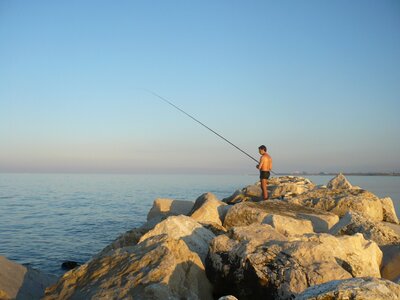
(308, 241)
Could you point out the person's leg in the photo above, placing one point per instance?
(264, 188)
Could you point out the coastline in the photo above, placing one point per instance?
(197, 230)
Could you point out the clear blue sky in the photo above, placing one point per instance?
(317, 82)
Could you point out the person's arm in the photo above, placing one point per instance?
(259, 166)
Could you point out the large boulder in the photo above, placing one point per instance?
(339, 182)
(390, 268)
(184, 228)
(353, 222)
(247, 213)
(389, 213)
(341, 201)
(387, 239)
(289, 226)
(278, 188)
(286, 187)
(22, 283)
(354, 288)
(163, 208)
(128, 239)
(208, 209)
(159, 267)
(281, 268)
(256, 233)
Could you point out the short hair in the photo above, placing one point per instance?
(262, 147)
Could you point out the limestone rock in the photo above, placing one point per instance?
(247, 213)
(353, 222)
(159, 267)
(278, 188)
(129, 238)
(248, 193)
(215, 228)
(390, 268)
(182, 227)
(289, 226)
(355, 288)
(163, 208)
(339, 182)
(341, 201)
(255, 233)
(208, 209)
(389, 213)
(281, 269)
(20, 282)
(286, 187)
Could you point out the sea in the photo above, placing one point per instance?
(46, 219)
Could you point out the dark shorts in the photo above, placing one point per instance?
(264, 174)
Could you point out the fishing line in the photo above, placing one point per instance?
(202, 124)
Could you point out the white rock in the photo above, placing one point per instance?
(339, 182)
(282, 268)
(158, 268)
(247, 213)
(341, 201)
(22, 283)
(389, 213)
(208, 209)
(353, 222)
(163, 208)
(184, 228)
(289, 226)
(355, 288)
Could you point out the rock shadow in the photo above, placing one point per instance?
(34, 285)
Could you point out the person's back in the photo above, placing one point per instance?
(266, 162)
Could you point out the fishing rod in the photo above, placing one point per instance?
(202, 124)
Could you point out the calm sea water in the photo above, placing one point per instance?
(46, 219)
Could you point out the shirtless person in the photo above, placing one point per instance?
(265, 167)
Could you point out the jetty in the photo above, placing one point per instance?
(333, 241)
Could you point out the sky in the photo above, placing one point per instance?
(317, 82)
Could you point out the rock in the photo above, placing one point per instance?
(384, 236)
(255, 233)
(22, 283)
(247, 213)
(230, 297)
(390, 268)
(69, 265)
(159, 267)
(289, 186)
(355, 288)
(214, 228)
(389, 213)
(182, 227)
(280, 269)
(341, 201)
(129, 238)
(353, 222)
(163, 208)
(339, 182)
(278, 188)
(289, 226)
(208, 209)
(249, 193)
